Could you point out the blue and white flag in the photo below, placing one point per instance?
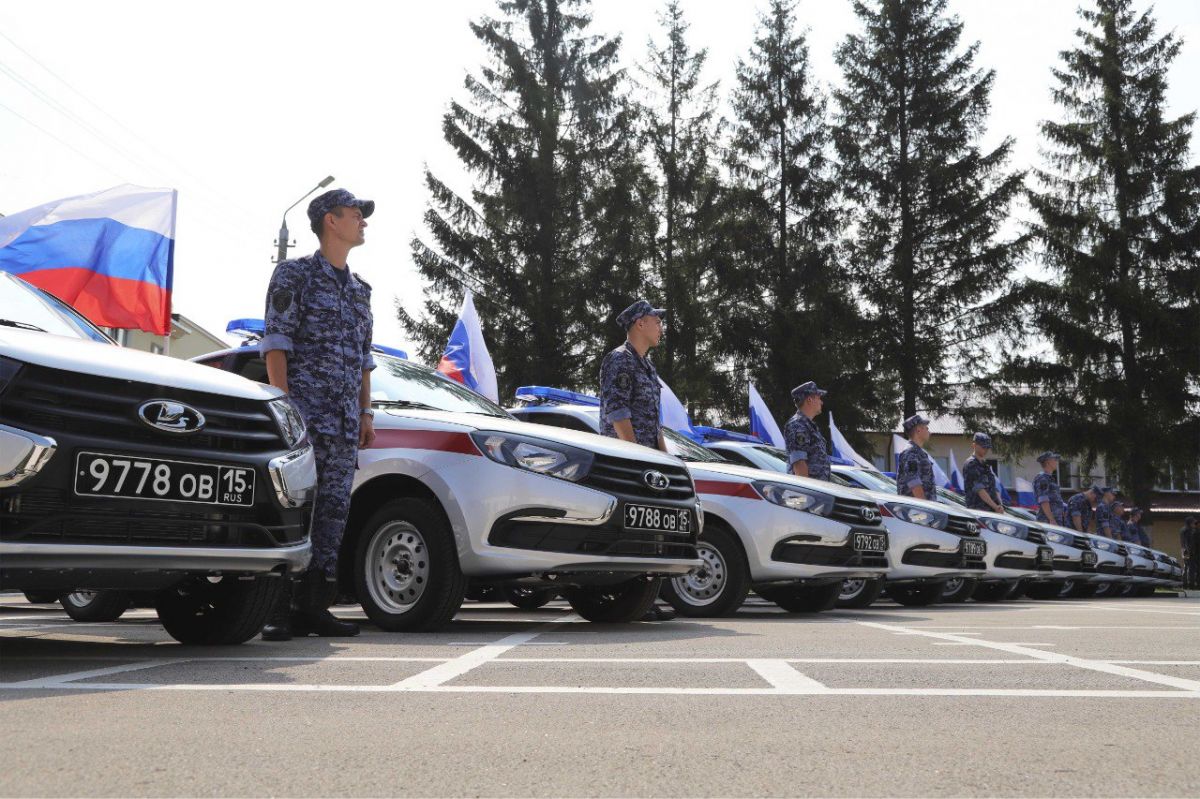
(898, 445)
(466, 358)
(843, 450)
(940, 477)
(956, 479)
(762, 424)
(1025, 497)
(1004, 495)
(672, 414)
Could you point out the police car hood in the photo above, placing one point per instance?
(705, 469)
(884, 497)
(602, 445)
(106, 360)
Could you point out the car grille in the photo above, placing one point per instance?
(812, 555)
(52, 401)
(850, 511)
(942, 560)
(961, 525)
(585, 540)
(1081, 543)
(1035, 537)
(624, 477)
(49, 515)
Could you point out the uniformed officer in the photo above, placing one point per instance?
(629, 387)
(1189, 546)
(1052, 509)
(1133, 528)
(318, 349)
(1118, 530)
(914, 472)
(1079, 507)
(808, 455)
(979, 481)
(630, 391)
(1104, 512)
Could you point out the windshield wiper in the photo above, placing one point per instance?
(403, 404)
(20, 325)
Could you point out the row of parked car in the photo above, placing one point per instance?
(129, 478)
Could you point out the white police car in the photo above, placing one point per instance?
(1074, 562)
(931, 544)
(791, 539)
(454, 488)
(1112, 569)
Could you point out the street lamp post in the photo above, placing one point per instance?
(282, 243)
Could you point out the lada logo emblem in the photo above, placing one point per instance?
(869, 514)
(171, 417)
(656, 480)
(972, 528)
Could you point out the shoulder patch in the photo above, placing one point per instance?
(623, 381)
(282, 300)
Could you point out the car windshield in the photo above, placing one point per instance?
(28, 307)
(685, 449)
(404, 384)
(874, 481)
(778, 457)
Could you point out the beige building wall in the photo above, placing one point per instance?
(188, 339)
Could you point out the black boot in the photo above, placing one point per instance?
(279, 625)
(317, 593)
(659, 613)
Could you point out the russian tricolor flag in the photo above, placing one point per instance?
(110, 254)
(762, 423)
(466, 358)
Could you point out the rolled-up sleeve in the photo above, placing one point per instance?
(284, 300)
(616, 388)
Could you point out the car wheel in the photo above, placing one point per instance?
(527, 598)
(229, 612)
(1019, 590)
(406, 568)
(720, 586)
(1104, 590)
(1145, 590)
(859, 593)
(1049, 590)
(992, 592)
(41, 597)
(805, 599)
(95, 605)
(1082, 590)
(916, 596)
(959, 589)
(615, 604)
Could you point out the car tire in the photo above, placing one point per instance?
(614, 604)
(1082, 590)
(1106, 590)
(916, 596)
(226, 613)
(1047, 590)
(41, 597)
(859, 593)
(95, 606)
(805, 599)
(719, 587)
(1019, 590)
(527, 598)
(406, 569)
(1145, 590)
(992, 592)
(959, 589)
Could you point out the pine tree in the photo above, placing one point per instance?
(682, 134)
(1117, 209)
(787, 312)
(537, 137)
(928, 201)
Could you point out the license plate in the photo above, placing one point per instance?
(662, 520)
(976, 549)
(129, 477)
(1089, 558)
(870, 542)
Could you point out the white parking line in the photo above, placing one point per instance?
(782, 677)
(61, 680)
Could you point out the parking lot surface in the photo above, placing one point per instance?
(1072, 698)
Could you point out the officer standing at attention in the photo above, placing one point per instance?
(1134, 531)
(630, 392)
(1104, 512)
(1079, 507)
(914, 472)
(808, 454)
(1052, 509)
(979, 482)
(1116, 521)
(318, 349)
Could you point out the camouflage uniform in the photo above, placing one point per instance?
(1119, 528)
(915, 469)
(804, 442)
(1045, 489)
(324, 323)
(1081, 505)
(977, 475)
(1135, 533)
(629, 389)
(1104, 520)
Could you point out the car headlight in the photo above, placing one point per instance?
(1057, 538)
(1106, 546)
(915, 514)
(1005, 527)
(795, 498)
(534, 455)
(288, 419)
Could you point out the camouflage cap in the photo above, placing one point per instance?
(1049, 455)
(1096, 489)
(335, 198)
(636, 311)
(983, 440)
(914, 421)
(803, 390)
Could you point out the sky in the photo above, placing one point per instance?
(244, 106)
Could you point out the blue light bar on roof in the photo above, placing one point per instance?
(719, 434)
(395, 353)
(255, 328)
(561, 396)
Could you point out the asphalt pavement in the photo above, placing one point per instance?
(1026, 698)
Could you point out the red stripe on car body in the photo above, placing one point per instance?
(726, 488)
(437, 440)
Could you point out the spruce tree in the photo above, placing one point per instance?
(682, 135)
(928, 201)
(536, 136)
(787, 311)
(1117, 208)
